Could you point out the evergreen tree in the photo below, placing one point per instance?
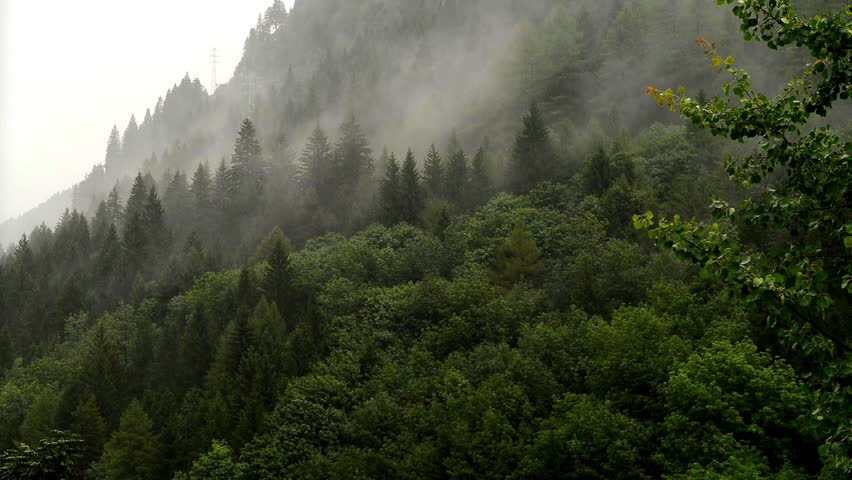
(88, 422)
(112, 162)
(115, 210)
(390, 201)
(433, 173)
(133, 451)
(457, 172)
(597, 173)
(411, 193)
(533, 155)
(154, 222)
(518, 259)
(248, 172)
(220, 187)
(129, 142)
(354, 165)
(177, 203)
(480, 182)
(202, 196)
(277, 281)
(136, 200)
(317, 166)
(216, 464)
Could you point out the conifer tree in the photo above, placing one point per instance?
(317, 166)
(154, 220)
(114, 207)
(220, 187)
(248, 172)
(129, 142)
(88, 422)
(533, 154)
(480, 183)
(353, 165)
(201, 190)
(133, 451)
(411, 193)
(518, 259)
(457, 172)
(277, 281)
(112, 162)
(390, 202)
(433, 173)
(136, 200)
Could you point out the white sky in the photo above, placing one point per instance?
(69, 70)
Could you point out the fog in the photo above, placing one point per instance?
(70, 70)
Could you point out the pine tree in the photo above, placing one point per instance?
(411, 193)
(154, 221)
(136, 200)
(518, 259)
(133, 451)
(177, 203)
(353, 166)
(353, 152)
(317, 166)
(112, 162)
(114, 207)
(220, 187)
(248, 172)
(597, 174)
(390, 205)
(433, 173)
(202, 196)
(88, 422)
(129, 142)
(277, 281)
(480, 183)
(457, 172)
(533, 154)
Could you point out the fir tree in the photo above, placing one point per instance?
(88, 422)
(133, 451)
(201, 190)
(457, 172)
(248, 171)
(433, 173)
(317, 166)
(112, 162)
(136, 200)
(533, 155)
(480, 183)
(277, 281)
(518, 259)
(114, 207)
(411, 193)
(390, 193)
(129, 142)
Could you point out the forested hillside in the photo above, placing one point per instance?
(406, 241)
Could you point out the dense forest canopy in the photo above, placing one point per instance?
(407, 241)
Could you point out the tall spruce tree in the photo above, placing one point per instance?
(533, 154)
(248, 172)
(457, 172)
(390, 202)
(411, 192)
(112, 162)
(316, 171)
(277, 281)
(133, 451)
(433, 173)
(480, 181)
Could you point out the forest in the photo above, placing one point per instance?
(447, 239)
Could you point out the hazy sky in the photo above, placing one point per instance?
(70, 70)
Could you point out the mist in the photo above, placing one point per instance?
(426, 239)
